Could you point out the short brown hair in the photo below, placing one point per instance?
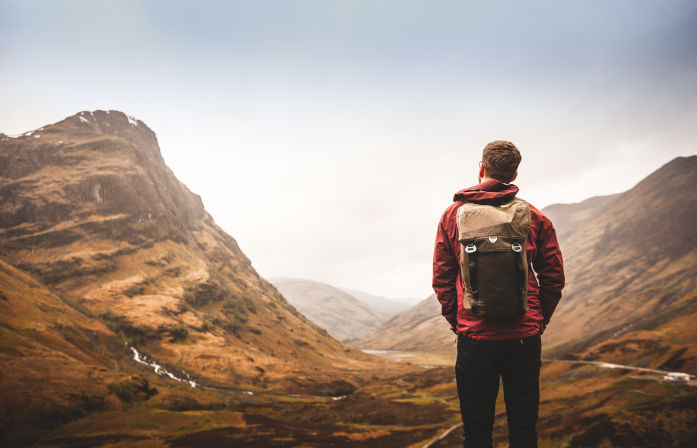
(500, 159)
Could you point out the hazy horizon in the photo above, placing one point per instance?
(328, 138)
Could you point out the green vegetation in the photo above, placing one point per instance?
(71, 303)
(134, 336)
(178, 334)
(135, 290)
(44, 416)
(130, 391)
(181, 404)
(125, 390)
(139, 288)
(212, 291)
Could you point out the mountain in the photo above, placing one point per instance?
(631, 264)
(90, 211)
(342, 315)
(385, 306)
(419, 328)
(115, 282)
(631, 270)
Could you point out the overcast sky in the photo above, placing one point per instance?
(327, 137)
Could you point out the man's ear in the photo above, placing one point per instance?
(482, 172)
(514, 176)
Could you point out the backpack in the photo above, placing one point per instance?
(493, 260)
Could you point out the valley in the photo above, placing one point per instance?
(129, 318)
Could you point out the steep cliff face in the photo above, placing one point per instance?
(90, 209)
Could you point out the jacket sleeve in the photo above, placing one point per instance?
(445, 271)
(549, 266)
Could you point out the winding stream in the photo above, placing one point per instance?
(161, 371)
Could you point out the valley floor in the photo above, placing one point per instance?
(582, 405)
(593, 404)
(405, 411)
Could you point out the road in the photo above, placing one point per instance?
(654, 374)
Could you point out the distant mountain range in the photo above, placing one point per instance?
(342, 315)
(119, 294)
(385, 306)
(631, 268)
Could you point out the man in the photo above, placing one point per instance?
(490, 345)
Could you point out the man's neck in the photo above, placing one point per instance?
(485, 178)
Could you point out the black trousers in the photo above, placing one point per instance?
(478, 368)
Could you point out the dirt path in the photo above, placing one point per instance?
(442, 436)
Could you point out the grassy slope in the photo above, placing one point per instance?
(630, 261)
(61, 365)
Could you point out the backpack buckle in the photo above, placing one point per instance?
(470, 248)
(516, 247)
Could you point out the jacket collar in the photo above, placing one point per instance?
(490, 191)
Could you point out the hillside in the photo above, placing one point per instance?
(631, 269)
(419, 328)
(631, 264)
(104, 252)
(40, 334)
(67, 379)
(90, 209)
(340, 314)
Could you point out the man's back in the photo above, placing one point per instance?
(489, 348)
(542, 252)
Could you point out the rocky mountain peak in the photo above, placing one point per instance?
(98, 163)
(112, 122)
(89, 126)
(90, 209)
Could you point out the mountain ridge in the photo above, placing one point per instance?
(89, 207)
(386, 306)
(342, 315)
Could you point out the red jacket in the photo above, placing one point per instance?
(542, 252)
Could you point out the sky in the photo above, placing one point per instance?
(327, 137)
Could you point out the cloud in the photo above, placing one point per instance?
(328, 137)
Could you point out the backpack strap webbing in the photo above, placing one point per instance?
(521, 281)
(473, 280)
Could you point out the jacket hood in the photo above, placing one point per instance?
(490, 191)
